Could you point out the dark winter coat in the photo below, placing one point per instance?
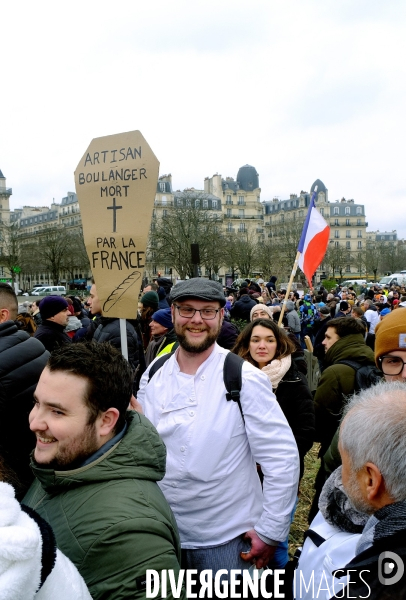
(228, 335)
(22, 360)
(368, 576)
(110, 517)
(108, 330)
(242, 308)
(320, 330)
(52, 335)
(271, 285)
(337, 381)
(296, 401)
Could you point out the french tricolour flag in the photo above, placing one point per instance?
(314, 241)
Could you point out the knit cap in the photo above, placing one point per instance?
(264, 307)
(163, 317)
(51, 306)
(150, 299)
(390, 333)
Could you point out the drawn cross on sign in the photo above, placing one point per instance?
(114, 208)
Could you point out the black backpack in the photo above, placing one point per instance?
(231, 375)
(365, 375)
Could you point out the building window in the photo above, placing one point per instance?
(336, 210)
(240, 199)
(336, 244)
(282, 218)
(321, 211)
(348, 233)
(197, 203)
(348, 245)
(336, 233)
(336, 223)
(348, 269)
(358, 221)
(359, 233)
(229, 227)
(228, 200)
(214, 204)
(179, 202)
(164, 212)
(347, 221)
(228, 212)
(241, 227)
(205, 203)
(241, 213)
(162, 186)
(347, 210)
(359, 245)
(188, 202)
(359, 210)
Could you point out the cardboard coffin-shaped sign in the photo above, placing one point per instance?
(116, 182)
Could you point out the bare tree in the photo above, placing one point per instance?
(75, 258)
(189, 223)
(241, 252)
(337, 258)
(12, 248)
(52, 246)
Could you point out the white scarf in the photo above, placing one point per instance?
(276, 369)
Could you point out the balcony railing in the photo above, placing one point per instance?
(259, 217)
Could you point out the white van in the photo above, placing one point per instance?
(50, 290)
(394, 279)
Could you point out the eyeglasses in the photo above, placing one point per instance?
(391, 365)
(207, 314)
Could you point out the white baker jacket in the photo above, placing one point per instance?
(211, 481)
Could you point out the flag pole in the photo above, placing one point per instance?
(292, 276)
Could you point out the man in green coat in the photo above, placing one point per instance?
(96, 468)
(344, 340)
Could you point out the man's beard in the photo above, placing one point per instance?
(72, 456)
(196, 347)
(353, 492)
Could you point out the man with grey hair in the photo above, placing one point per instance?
(372, 443)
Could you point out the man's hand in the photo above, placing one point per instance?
(260, 553)
(135, 405)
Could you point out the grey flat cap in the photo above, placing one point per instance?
(199, 288)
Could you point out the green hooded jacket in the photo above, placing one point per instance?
(337, 382)
(110, 517)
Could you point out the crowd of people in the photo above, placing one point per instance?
(190, 454)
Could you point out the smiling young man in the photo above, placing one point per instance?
(211, 480)
(96, 468)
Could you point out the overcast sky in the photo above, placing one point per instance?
(301, 89)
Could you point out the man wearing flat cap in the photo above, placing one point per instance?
(55, 315)
(225, 520)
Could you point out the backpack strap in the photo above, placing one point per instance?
(158, 364)
(233, 379)
(231, 375)
(350, 363)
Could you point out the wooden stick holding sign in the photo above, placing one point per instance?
(116, 181)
